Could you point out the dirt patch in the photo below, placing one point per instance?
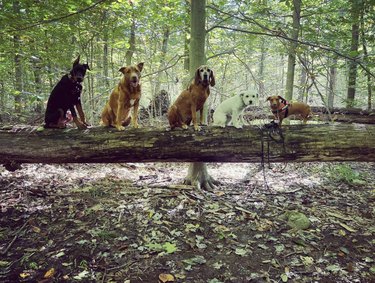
(133, 222)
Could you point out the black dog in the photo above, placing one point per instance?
(65, 96)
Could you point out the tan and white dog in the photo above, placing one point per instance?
(126, 95)
(231, 109)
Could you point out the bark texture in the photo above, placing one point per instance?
(303, 143)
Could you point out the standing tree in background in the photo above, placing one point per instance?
(293, 49)
(355, 8)
(17, 65)
(131, 49)
(197, 173)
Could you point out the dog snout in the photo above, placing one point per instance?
(250, 102)
(134, 78)
(79, 79)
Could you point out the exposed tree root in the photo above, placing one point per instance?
(198, 177)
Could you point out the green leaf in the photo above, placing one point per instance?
(240, 252)
(169, 247)
(81, 275)
(217, 265)
(195, 260)
(284, 277)
(307, 260)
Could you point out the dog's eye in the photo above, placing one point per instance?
(208, 70)
(254, 96)
(247, 96)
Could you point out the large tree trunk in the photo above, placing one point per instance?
(198, 35)
(197, 173)
(293, 48)
(303, 143)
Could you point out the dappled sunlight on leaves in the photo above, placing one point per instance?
(84, 223)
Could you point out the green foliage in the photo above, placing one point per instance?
(344, 173)
(47, 38)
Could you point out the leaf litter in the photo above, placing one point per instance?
(138, 223)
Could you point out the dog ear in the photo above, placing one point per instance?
(140, 66)
(87, 66)
(122, 70)
(76, 61)
(268, 98)
(197, 77)
(212, 78)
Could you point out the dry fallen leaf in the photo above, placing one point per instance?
(24, 275)
(165, 278)
(36, 229)
(49, 273)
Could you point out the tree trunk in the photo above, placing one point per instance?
(164, 49)
(303, 81)
(366, 60)
(353, 50)
(105, 51)
(2, 95)
(197, 173)
(198, 176)
(261, 68)
(303, 143)
(37, 69)
(292, 49)
(332, 78)
(18, 85)
(198, 34)
(130, 51)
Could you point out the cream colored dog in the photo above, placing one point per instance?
(230, 110)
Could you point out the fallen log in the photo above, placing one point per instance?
(342, 115)
(303, 143)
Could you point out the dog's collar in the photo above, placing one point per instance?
(70, 77)
(282, 108)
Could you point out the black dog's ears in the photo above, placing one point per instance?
(76, 61)
(212, 78)
(268, 98)
(87, 66)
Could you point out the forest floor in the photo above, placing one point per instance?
(138, 223)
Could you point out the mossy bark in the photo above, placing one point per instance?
(303, 143)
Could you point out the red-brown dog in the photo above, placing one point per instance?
(126, 95)
(281, 109)
(191, 100)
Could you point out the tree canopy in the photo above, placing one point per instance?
(247, 44)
